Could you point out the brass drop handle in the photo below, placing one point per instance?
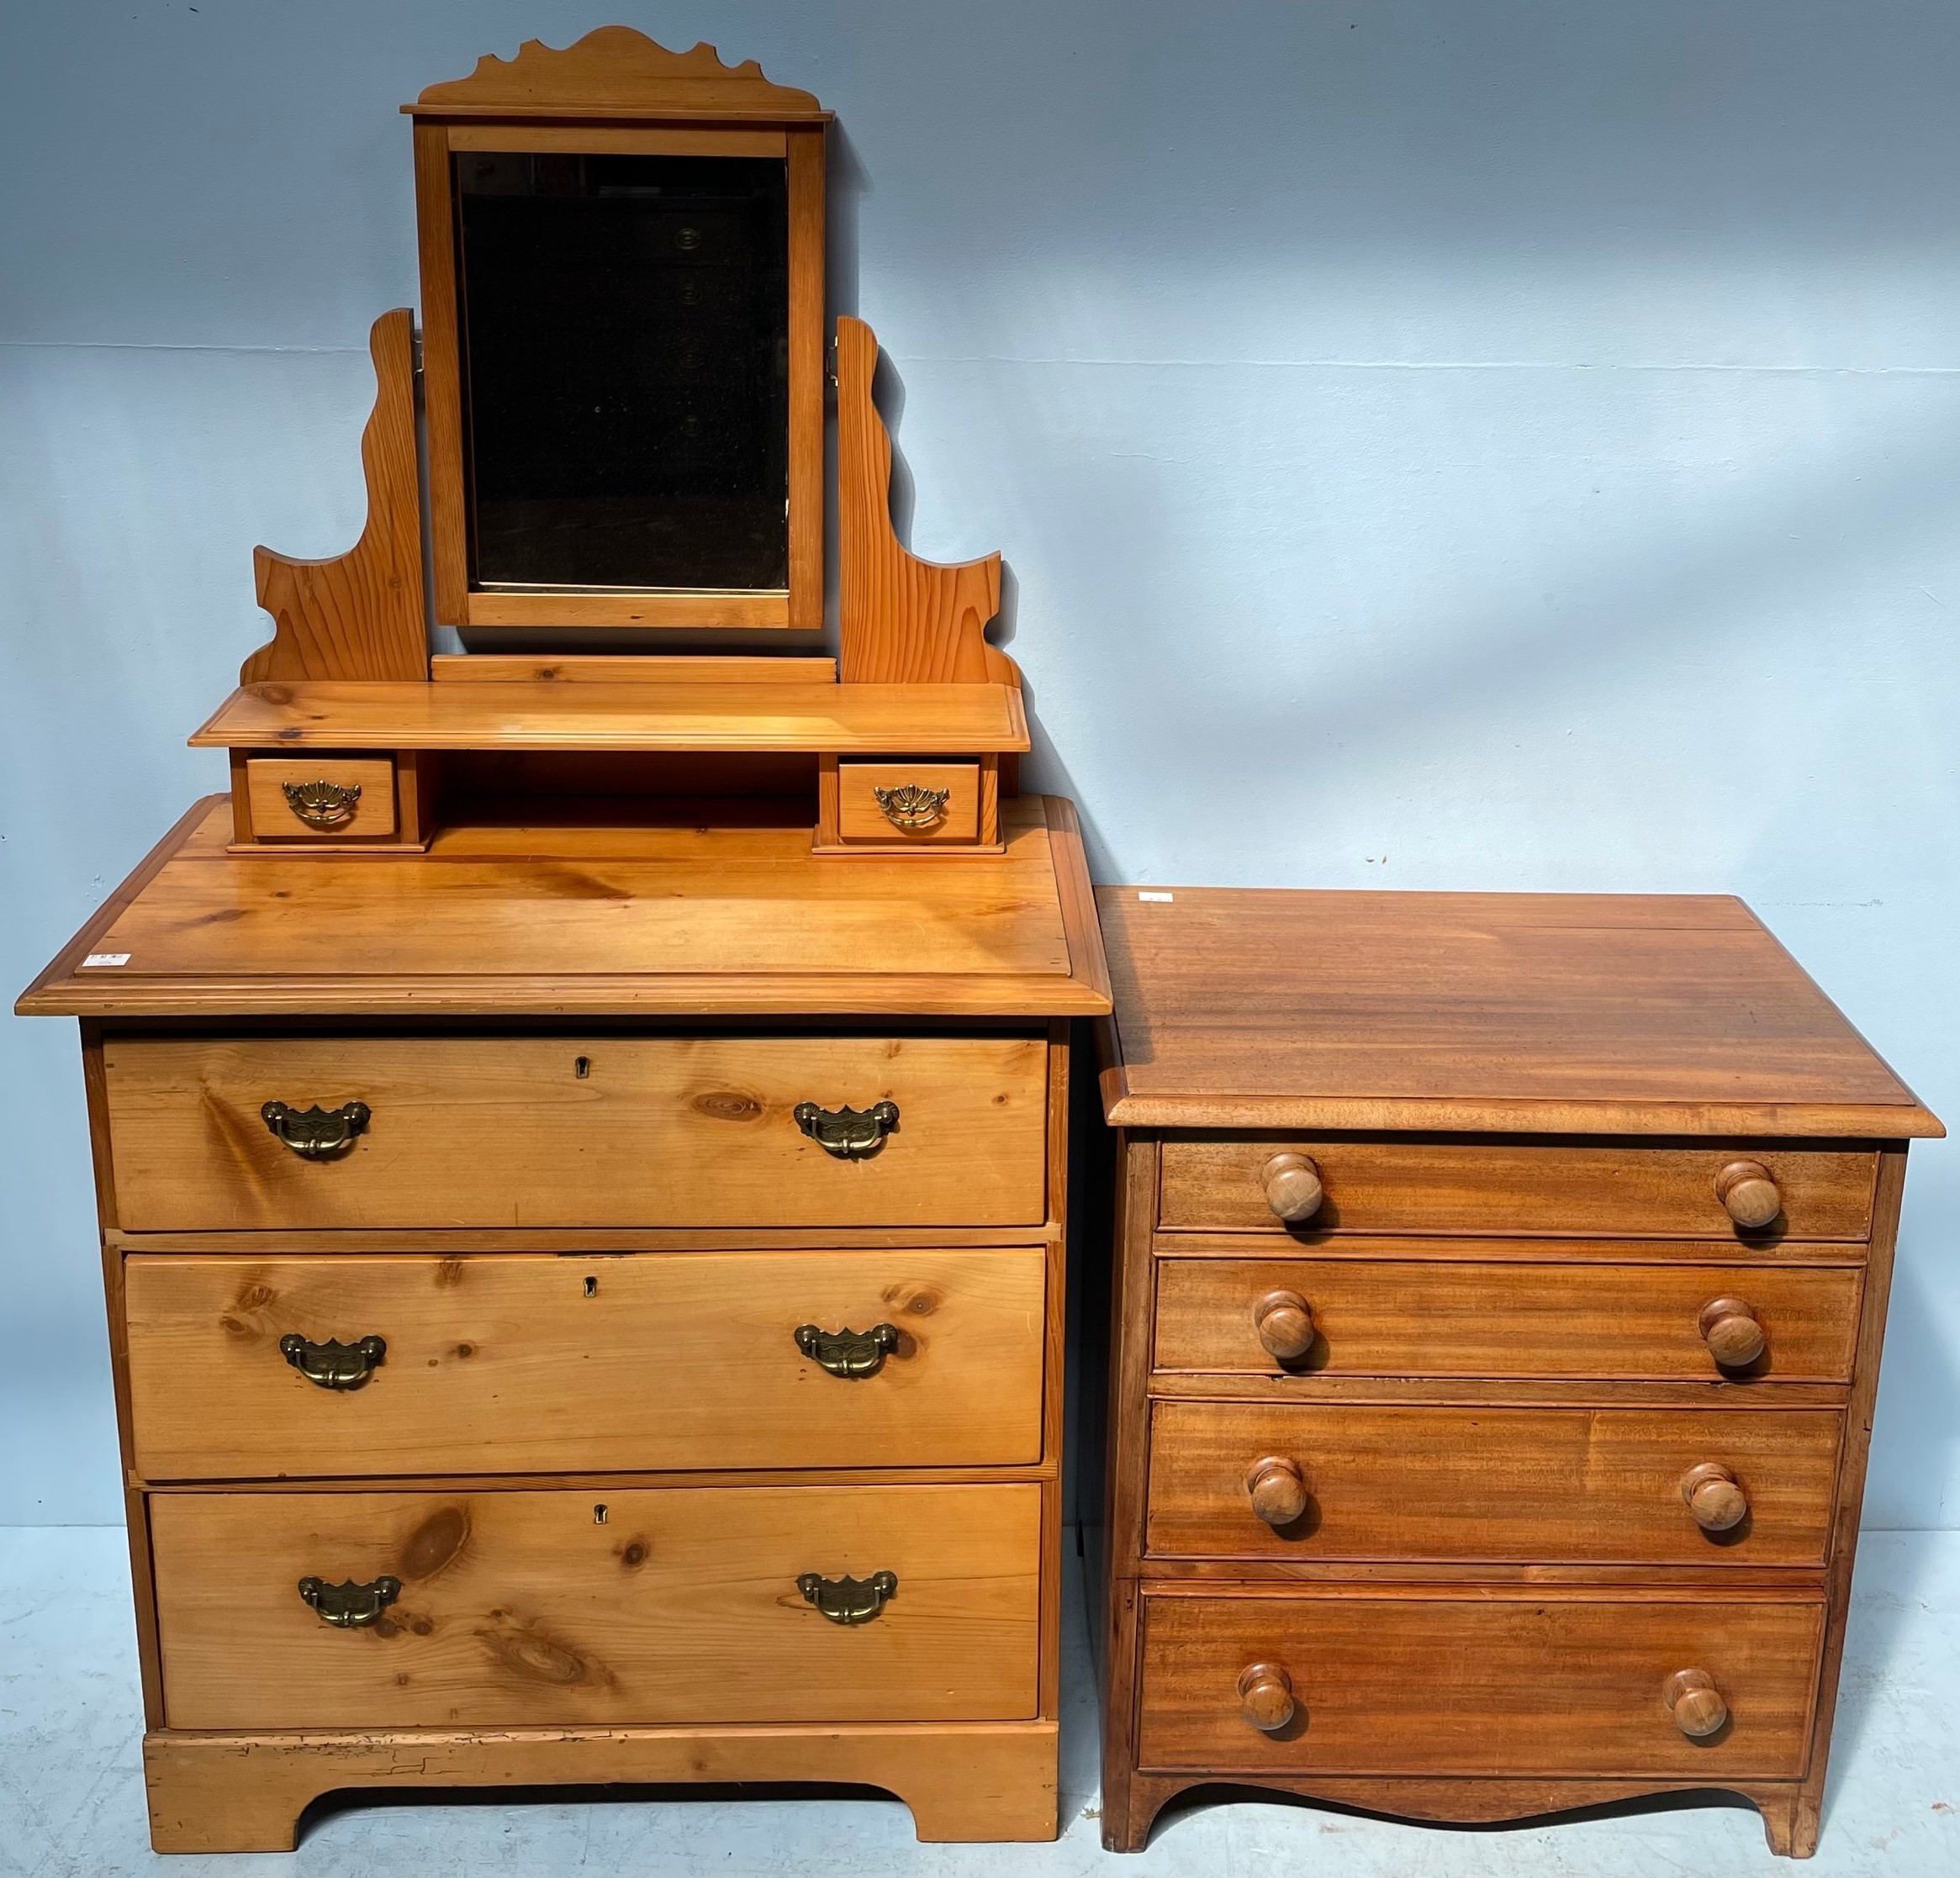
(1265, 1693)
(850, 1134)
(848, 1600)
(316, 1134)
(1695, 1703)
(332, 1364)
(1292, 1187)
(912, 805)
(1729, 1328)
(349, 1606)
(1278, 1490)
(1714, 1497)
(847, 1353)
(1284, 1321)
(322, 803)
(1748, 1192)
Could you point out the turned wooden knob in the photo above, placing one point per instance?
(1284, 1322)
(1714, 1497)
(1292, 1187)
(1729, 1327)
(1266, 1692)
(1277, 1488)
(1748, 1191)
(1695, 1703)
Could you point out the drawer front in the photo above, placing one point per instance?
(1551, 1485)
(320, 799)
(1508, 1684)
(1523, 1318)
(511, 1363)
(899, 804)
(1416, 1186)
(682, 1605)
(564, 1131)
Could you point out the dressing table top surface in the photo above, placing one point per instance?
(526, 918)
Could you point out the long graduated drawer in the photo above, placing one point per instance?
(221, 1134)
(509, 1362)
(1514, 1681)
(1480, 1313)
(1542, 1484)
(678, 1605)
(1444, 1185)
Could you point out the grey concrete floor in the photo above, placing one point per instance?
(72, 1799)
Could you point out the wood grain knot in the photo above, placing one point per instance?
(435, 1543)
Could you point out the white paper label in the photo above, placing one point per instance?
(107, 958)
(1157, 896)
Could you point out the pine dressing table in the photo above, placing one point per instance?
(580, 1129)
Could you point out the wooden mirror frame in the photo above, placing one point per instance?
(616, 92)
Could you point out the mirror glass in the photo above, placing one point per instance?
(624, 353)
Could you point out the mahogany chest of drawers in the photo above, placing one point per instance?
(1499, 1294)
(639, 1364)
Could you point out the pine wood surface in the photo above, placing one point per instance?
(601, 920)
(613, 72)
(610, 668)
(537, 1363)
(809, 387)
(435, 253)
(861, 819)
(577, 1131)
(1400, 1318)
(1527, 1682)
(1514, 1187)
(359, 614)
(900, 618)
(1563, 1485)
(275, 818)
(543, 714)
(1543, 1013)
(243, 1792)
(522, 1608)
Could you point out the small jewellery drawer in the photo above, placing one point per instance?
(510, 1363)
(699, 1605)
(388, 1131)
(909, 804)
(320, 799)
(1516, 1317)
(1457, 1186)
(1703, 1487)
(1515, 1681)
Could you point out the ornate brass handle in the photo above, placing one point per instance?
(316, 1134)
(848, 1352)
(848, 1600)
(332, 1364)
(912, 805)
(850, 1134)
(349, 1606)
(322, 805)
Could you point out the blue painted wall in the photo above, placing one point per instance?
(1495, 445)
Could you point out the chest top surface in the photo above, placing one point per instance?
(525, 918)
(1539, 1012)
